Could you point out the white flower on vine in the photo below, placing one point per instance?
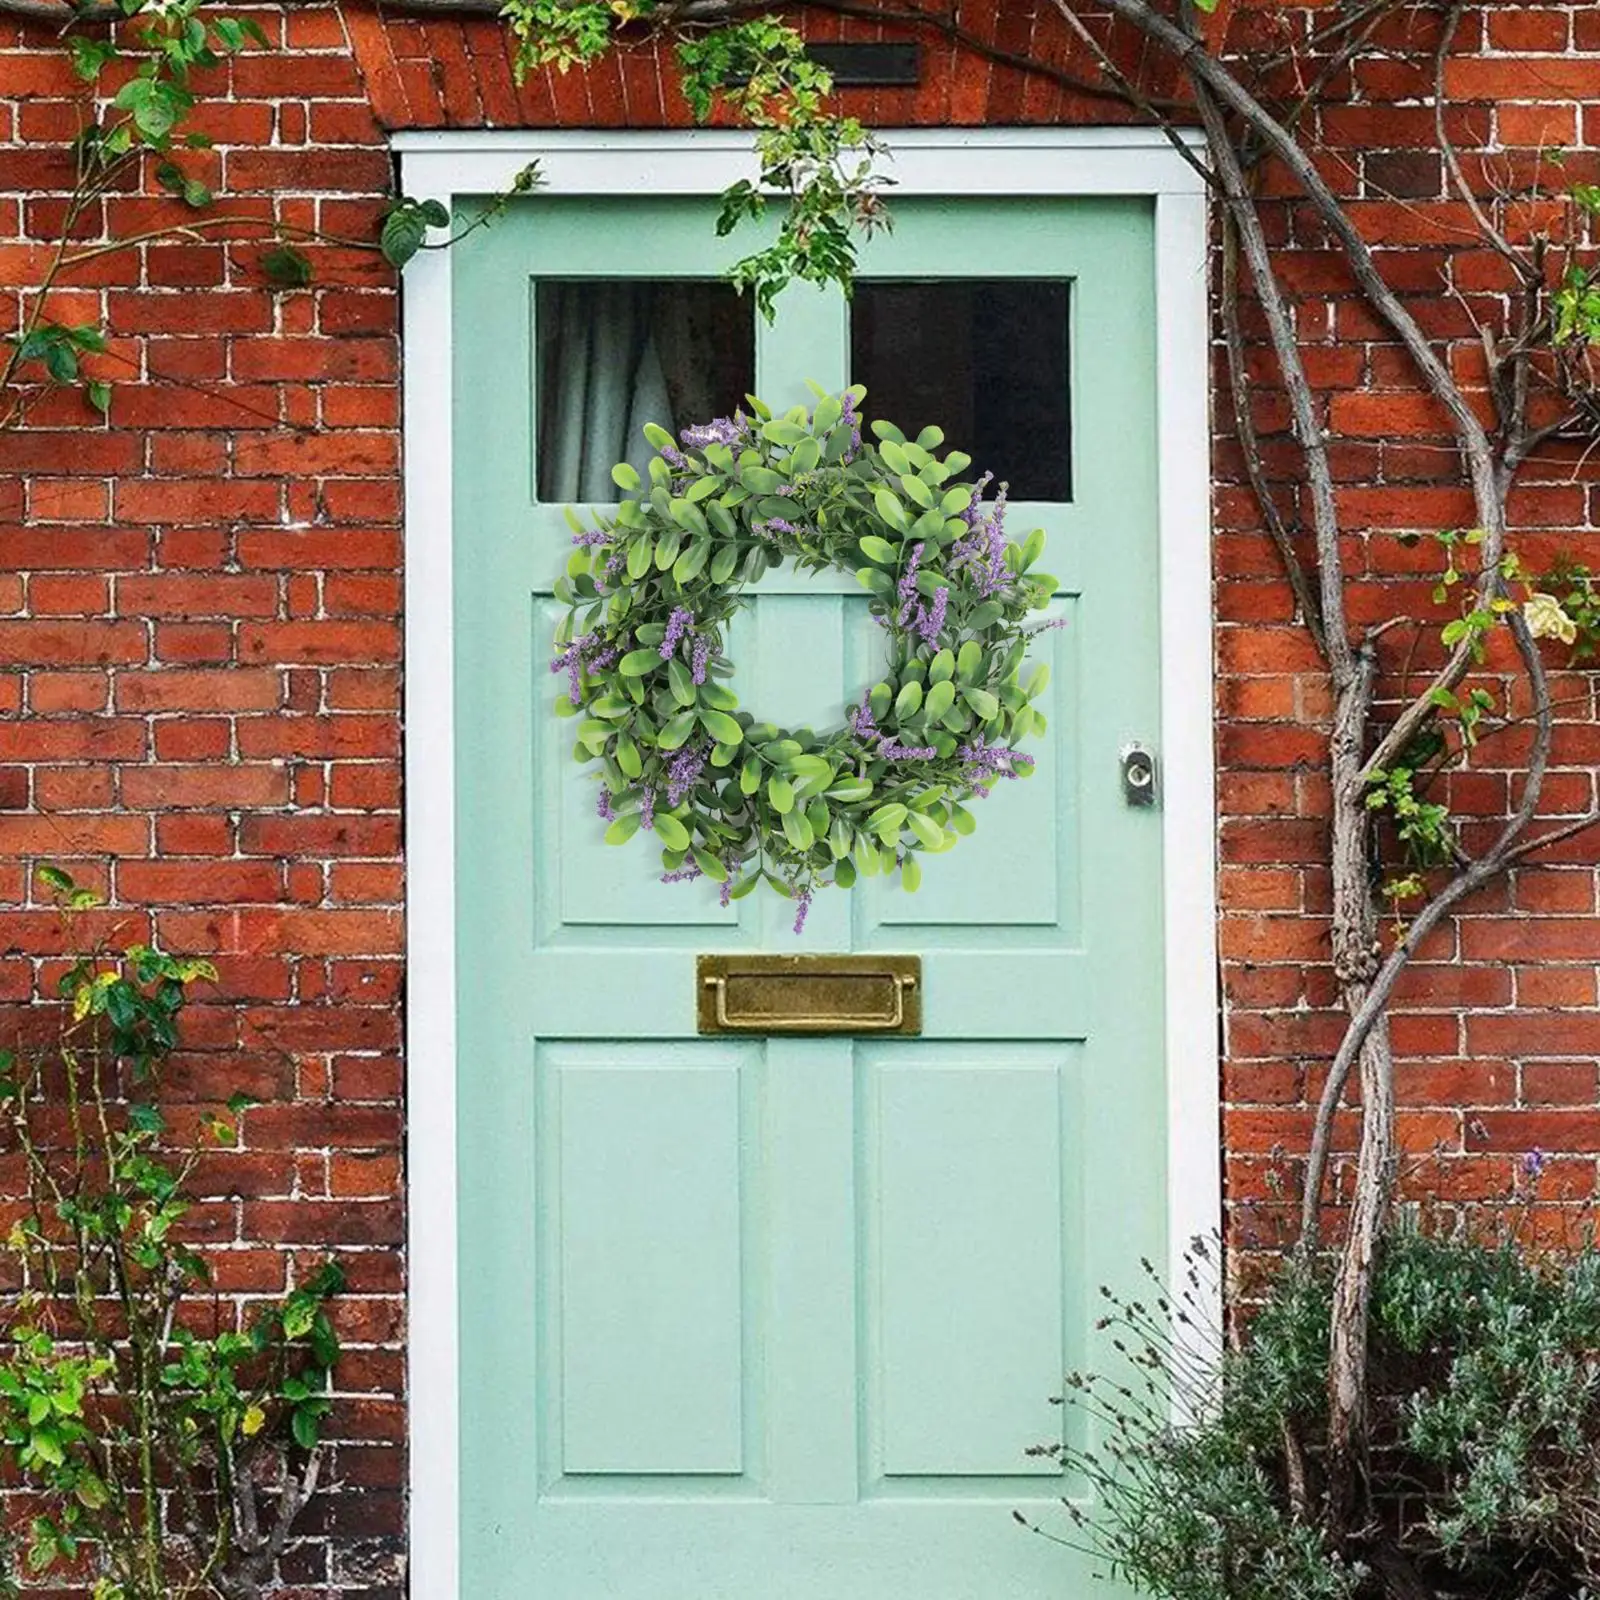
(1547, 618)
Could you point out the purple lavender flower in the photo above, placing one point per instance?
(592, 536)
(863, 724)
(684, 773)
(983, 547)
(777, 525)
(678, 624)
(614, 565)
(687, 873)
(572, 662)
(890, 751)
(726, 897)
(853, 423)
(702, 654)
(603, 807)
(1533, 1163)
(930, 623)
(647, 810)
(720, 430)
(804, 901)
(987, 762)
(674, 458)
(906, 589)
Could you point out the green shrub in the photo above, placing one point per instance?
(166, 1449)
(1483, 1475)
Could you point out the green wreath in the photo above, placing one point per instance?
(652, 591)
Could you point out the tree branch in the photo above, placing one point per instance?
(1329, 629)
(1244, 427)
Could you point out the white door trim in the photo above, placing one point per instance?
(997, 161)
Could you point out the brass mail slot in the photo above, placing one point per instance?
(809, 994)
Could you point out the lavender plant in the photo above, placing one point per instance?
(653, 591)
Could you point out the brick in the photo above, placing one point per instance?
(197, 882)
(157, 788)
(41, 643)
(236, 689)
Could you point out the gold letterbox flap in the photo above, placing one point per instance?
(809, 994)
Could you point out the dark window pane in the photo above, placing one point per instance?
(985, 359)
(614, 354)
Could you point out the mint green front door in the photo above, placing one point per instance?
(777, 1318)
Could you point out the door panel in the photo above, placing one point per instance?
(783, 1317)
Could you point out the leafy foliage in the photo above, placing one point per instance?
(1485, 1466)
(819, 165)
(653, 590)
(141, 1420)
(145, 126)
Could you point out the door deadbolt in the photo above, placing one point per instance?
(1138, 775)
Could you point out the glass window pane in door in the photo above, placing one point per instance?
(616, 353)
(984, 358)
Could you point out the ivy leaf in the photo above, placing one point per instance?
(98, 393)
(145, 1119)
(90, 56)
(303, 1425)
(286, 267)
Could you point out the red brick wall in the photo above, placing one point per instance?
(200, 632)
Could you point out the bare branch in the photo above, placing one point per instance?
(1330, 613)
(1244, 426)
(1452, 161)
(1468, 881)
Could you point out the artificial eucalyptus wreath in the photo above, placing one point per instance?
(651, 593)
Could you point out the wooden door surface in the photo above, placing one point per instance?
(779, 1318)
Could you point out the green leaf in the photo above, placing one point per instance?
(721, 727)
(98, 393)
(145, 1119)
(402, 234)
(637, 663)
(890, 509)
(887, 820)
(940, 698)
(304, 1426)
(623, 829)
(879, 550)
(681, 682)
(908, 702)
(982, 702)
(711, 865)
(677, 732)
(625, 476)
(688, 566)
(781, 794)
(797, 830)
(866, 857)
(850, 790)
(671, 832)
(926, 829)
(286, 267)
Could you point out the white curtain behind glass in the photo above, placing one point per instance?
(616, 354)
(600, 382)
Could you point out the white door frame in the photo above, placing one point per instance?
(989, 162)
